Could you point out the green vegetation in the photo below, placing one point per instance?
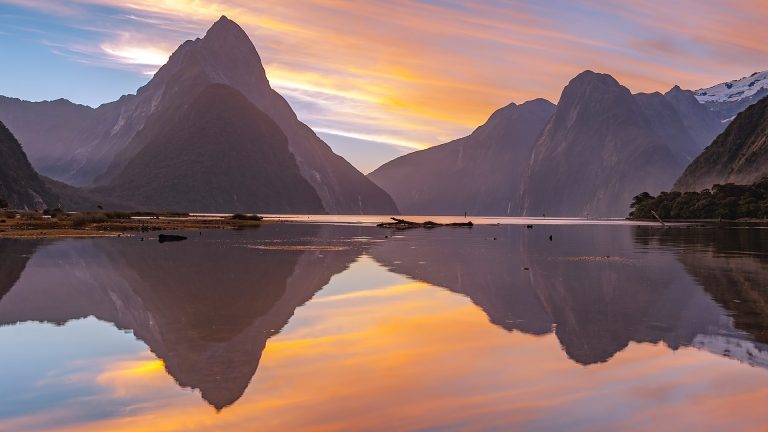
(83, 219)
(56, 213)
(728, 201)
(241, 216)
(87, 218)
(3, 203)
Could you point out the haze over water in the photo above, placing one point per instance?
(348, 327)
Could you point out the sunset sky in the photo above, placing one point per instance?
(381, 78)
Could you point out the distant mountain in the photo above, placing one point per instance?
(480, 173)
(57, 135)
(732, 97)
(215, 152)
(738, 155)
(702, 123)
(108, 137)
(597, 151)
(20, 185)
(668, 126)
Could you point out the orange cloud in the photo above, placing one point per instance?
(415, 74)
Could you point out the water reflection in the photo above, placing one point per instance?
(211, 310)
(206, 307)
(14, 255)
(590, 285)
(730, 264)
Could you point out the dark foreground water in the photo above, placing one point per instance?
(339, 327)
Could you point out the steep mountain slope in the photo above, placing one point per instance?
(106, 142)
(668, 126)
(738, 155)
(596, 152)
(702, 123)
(226, 55)
(53, 132)
(732, 97)
(480, 173)
(216, 153)
(20, 185)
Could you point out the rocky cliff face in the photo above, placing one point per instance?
(702, 123)
(738, 155)
(20, 184)
(212, 152)
(596, 152)
(480, 174)
(102, 141)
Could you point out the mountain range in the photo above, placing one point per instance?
(730, 98)
(474, 174)
(208, 134)
(97, 149)
(587, 156)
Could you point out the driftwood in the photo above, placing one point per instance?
(163, 238)
(657, 217)
(406, 224)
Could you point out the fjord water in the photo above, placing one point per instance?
(354, 327)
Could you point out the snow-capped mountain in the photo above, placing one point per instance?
(732, 97)
(734, 90)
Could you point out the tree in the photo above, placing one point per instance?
(726, 201)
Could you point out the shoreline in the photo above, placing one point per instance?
(37, 227)
(24, 225)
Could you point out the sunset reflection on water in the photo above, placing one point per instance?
(372, 350)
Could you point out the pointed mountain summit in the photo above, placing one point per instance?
(215, 152)
(105, 140)
(738, 155)
(598, 149)
(479, 174)
(20, 185)
(226, 56)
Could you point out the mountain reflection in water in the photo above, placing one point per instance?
(207, 307)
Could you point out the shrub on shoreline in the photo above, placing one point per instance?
(728, 201)
(83, 219)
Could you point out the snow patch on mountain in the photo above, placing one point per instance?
(734, 90)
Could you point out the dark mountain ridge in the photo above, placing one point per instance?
(595, 152)
(479, 174)
(738, 155)
(20, 184)
(216, 152)
(94, 145)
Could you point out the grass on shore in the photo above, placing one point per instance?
(56, 223)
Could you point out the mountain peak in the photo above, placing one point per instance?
(226, 31)
(589, 76)
(589, 85)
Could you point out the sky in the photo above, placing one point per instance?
(378, 79)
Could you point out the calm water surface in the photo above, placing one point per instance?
(350, 327)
